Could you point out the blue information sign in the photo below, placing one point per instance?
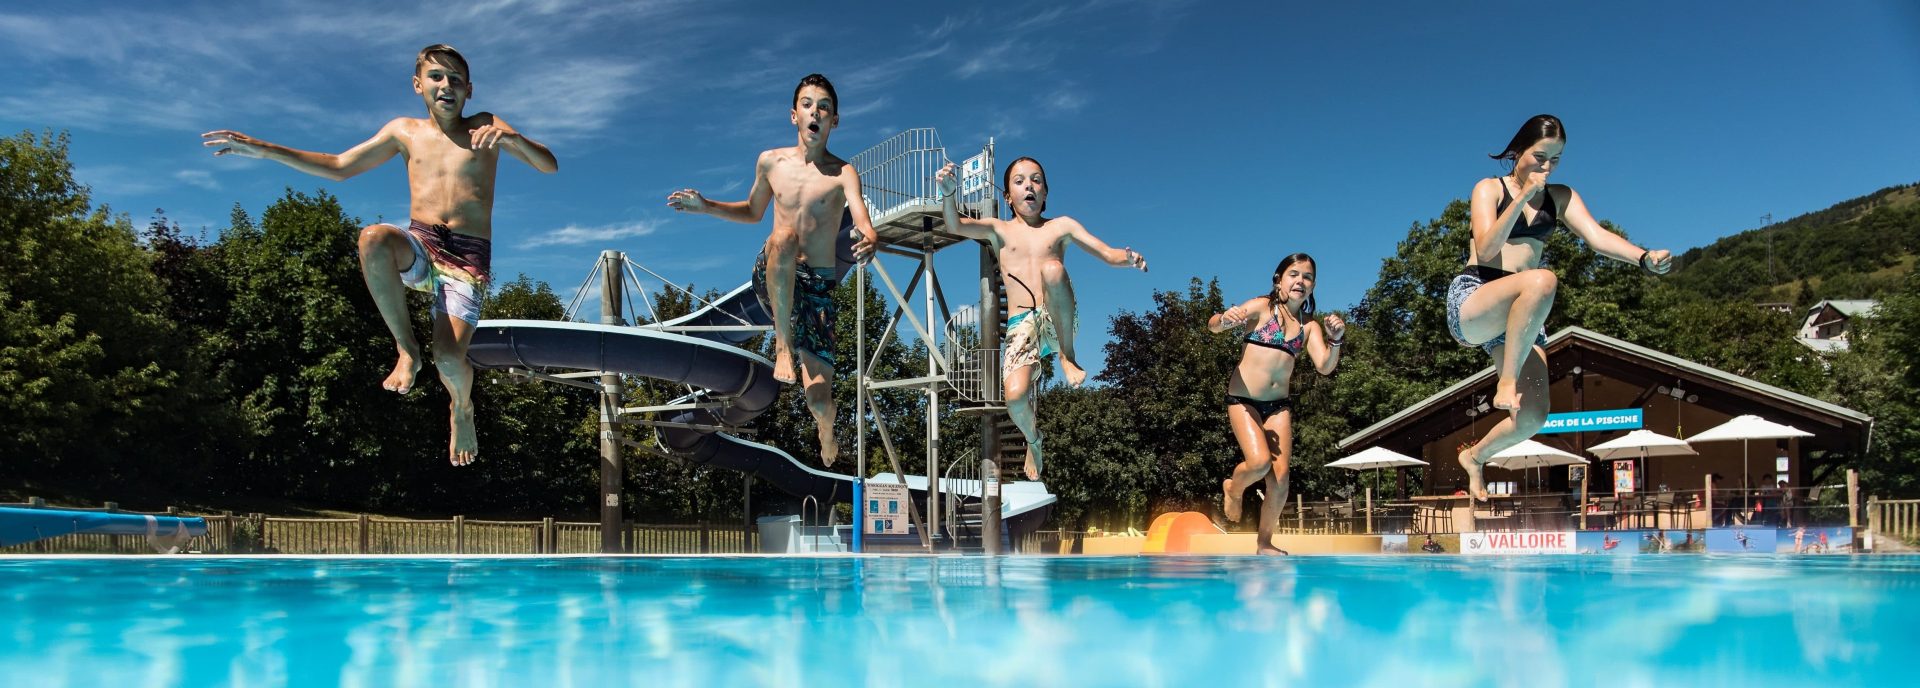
(1590, 421)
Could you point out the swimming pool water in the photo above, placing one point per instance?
(1652, 620)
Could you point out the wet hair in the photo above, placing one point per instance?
(1006, 179)
(1537, 128)
(444, 50)
(820, 81)
(1306, 309)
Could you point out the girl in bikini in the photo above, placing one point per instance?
(1500, 303)
(1258, 405)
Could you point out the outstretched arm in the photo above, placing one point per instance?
(1490, 229)
(857, 206)
(500, 135)
(1324, 340)
(1609, 244)
(1236, 317)
(366, 156)
(1117, 257)
(748, 211)
(949, 181)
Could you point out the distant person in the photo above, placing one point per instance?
(1785, 504)
(1724, 504)
(810, 190)
(1500, 303)
(1431, 547)
(447, 248)
(1032, 250)
(1280, 329)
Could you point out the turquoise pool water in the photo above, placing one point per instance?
(1674, 620)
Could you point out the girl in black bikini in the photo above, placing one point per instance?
(1500, 302)
(1257, 397)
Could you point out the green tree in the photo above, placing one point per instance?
(1169, 373)
(1878, 376)
(305, 353)
(97, 386)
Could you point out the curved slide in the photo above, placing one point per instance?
(705, 360)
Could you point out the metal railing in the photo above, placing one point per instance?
(898, 175)
(967, 467)
(899, 172)
(973, 372)
(1660, 509)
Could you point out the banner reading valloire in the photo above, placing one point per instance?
(1517, 543)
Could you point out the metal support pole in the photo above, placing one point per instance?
(611, 393)
(933, 408)
(990, 506)
(859, 403)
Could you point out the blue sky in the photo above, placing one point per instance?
(1213, 137)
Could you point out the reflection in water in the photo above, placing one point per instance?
(1381, 621)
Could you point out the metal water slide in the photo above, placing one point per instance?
(700, 350)
(731, 386)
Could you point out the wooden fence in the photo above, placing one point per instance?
(1898, 519)
(259, 534)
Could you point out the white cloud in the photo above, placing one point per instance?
(698, 265)
(194, 68)
(64, 106)
(566, 100)
(950, 25)
(199, 178)
(866, 108)
(1064, 100)
(573, 235)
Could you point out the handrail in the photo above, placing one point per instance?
(969, 468)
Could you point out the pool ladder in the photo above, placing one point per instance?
(824, 538)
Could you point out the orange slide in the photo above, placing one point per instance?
(1172, 532)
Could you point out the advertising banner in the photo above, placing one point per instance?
(1517, 543)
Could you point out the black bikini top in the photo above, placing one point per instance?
(1543, 222)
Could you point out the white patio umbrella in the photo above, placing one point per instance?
(1640, 444)
(1530, 454)
(1376, 457)
(1745, 428)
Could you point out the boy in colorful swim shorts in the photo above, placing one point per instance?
(810, 189)
(446, 249)
(1031, 249)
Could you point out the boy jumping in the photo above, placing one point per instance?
(1031, 249)
(446, 249)
(809, 189)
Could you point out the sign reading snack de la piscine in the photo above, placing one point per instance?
(1593, 421)
(1517, 543)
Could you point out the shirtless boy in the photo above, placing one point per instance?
(1031, 248)
(810, 189)
(446, 249)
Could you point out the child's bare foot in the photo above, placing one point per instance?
(1269, 550)
(1033, 459)
(1506, 394)
(1075, 374)
(1229, 501)
(783, 365)
(1476, 474)
(401, 379)
(829, 446)
(465, 446)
